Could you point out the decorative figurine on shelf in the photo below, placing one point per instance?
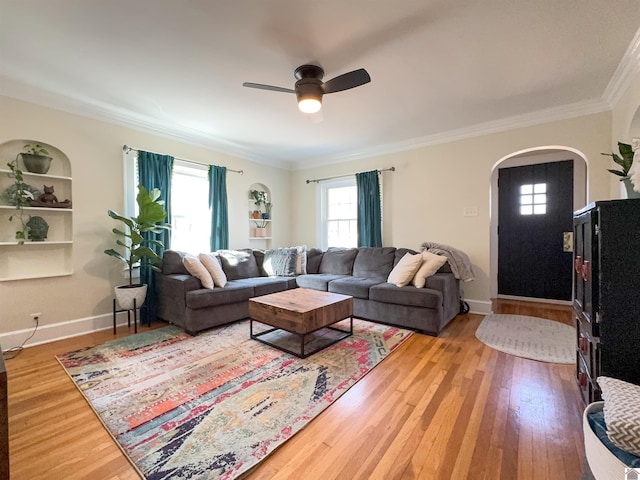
(48, 199)
(48, 196)
(38, 229)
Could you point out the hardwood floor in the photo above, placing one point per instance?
(438, 408)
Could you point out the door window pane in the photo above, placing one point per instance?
(533, 199)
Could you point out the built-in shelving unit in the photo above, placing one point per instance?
(261, 238)
(54, 256)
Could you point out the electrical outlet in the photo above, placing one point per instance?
(36, 316)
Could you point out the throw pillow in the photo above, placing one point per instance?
(301, 260)
(211, 263)
(280, 262)
(195, 267)
(430, 265)
(622, 413)
(405, 270)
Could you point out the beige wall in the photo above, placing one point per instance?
(95, 151)
(425, 196)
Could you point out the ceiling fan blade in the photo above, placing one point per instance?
(267, 87)
(346, 81)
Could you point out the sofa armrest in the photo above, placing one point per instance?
(171, 292)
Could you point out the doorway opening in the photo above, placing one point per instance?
(532, 157)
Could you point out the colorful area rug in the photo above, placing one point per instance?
(529, 337)
(215, 405)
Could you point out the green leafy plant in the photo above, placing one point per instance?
(137, 250)
(259, 197)
(625, 159)
(21, 199)
(36, 149)
(261, 223)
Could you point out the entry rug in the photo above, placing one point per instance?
(215, 405)
(529, 337)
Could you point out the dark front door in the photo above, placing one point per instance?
(534, 212)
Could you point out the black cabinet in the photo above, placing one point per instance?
(606, 298)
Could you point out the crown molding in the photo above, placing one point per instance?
(99, 111)
(627, 69)
(563, 112)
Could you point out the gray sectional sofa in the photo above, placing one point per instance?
(359, 272)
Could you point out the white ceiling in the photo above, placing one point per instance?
(440, 69)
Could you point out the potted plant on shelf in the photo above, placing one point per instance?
(625, 160)
(137, 252)
(261, 228)
(259, 197)
(19, 195)
(36, 158)
(267, 210)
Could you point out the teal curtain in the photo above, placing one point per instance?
(218, 207)
(154, 171)
(369, 212)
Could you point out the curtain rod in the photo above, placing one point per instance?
(318, 180)
(127, 149)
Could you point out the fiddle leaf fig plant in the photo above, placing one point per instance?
(625, 159)
(137, 249)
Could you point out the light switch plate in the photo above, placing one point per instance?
(470, 212)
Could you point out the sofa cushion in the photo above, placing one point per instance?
(430, 265)
(266, 285)
(405, 270)
(232, 292)
(400, 253)
(280, 262)
(318, 281)
(238, 263)
(195, 267)
(212, 264)
(172, 263)
(314, 257)
(354, 286)
(409, 295)
(373, 262)
(338, 261)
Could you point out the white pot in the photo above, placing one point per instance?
(125, 294)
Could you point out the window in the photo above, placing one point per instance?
(339, 214)
(533, 199)
(190, 215)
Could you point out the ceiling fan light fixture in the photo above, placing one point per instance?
(309, 104)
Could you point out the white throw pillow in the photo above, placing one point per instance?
(195, 267)
(301, 260)
(430, 265)
(211, 263)
(622, 413)
(405, 270)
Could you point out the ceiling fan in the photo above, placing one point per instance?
(310, 88)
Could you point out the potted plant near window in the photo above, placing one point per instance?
(625, 160)
(137, 251)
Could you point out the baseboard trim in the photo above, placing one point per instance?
(481, 307)
(60, 331)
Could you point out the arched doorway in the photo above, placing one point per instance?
(532, 157)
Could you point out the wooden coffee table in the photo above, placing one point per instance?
(301, 311)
